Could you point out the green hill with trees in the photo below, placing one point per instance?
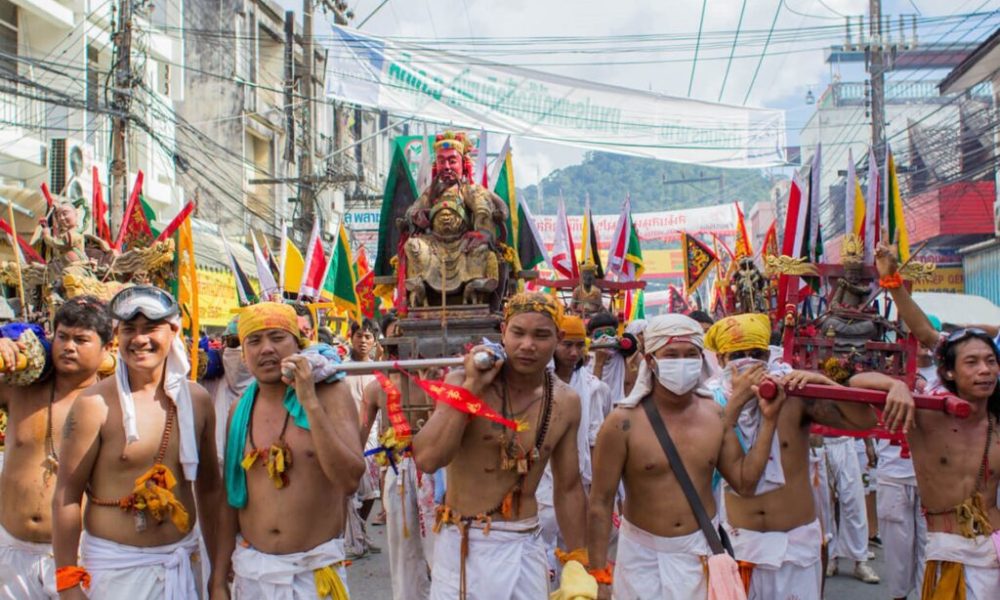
(653, 185)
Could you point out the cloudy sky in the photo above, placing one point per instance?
(789, 70)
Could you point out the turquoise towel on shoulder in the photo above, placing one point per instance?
(236, 440)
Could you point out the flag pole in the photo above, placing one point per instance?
(17, 258)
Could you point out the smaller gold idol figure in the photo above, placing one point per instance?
(587, 297)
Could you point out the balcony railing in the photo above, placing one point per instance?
(21, 112)
(852, 93)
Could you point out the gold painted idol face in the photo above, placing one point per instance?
(447, 221)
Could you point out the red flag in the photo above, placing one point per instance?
(134, 229)
(316, 263)
(743, 248)
(29, 252)
(365, 288)
(770, 247)
(796, 225)
(100, 209)
(176, 222)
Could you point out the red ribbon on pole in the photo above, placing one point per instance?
(394, 407)
(461, 399)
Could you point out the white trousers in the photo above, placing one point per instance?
(27, 569)
(667, 568)
(851, 538)
(903, 529)
(820, 483)
(262, 576)
(409, 512)
(787, 563)
(978, 557)
(507, 564)
(121, 572)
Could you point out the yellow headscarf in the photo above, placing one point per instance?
(268, 315)
(573, 328)
(751, 331)
(534, 302)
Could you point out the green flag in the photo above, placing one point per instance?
(340, 282)
(400, 193)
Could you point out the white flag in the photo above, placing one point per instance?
(563, 252)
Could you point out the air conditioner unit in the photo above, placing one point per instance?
(70, 163)
(70, 174)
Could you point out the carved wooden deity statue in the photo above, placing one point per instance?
(587, 297)
(452, 248)
(66, 243)
(849, 322)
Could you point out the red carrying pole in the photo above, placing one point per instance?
(951, 405)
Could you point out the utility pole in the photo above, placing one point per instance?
(289, 86)
(307, 209)
(876, 69)
(121, 103)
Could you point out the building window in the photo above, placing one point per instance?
(8, 39)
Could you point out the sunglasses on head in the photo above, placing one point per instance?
(154, 304)
(755, 354)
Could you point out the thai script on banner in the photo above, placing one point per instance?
(661, 225)
(438, 86)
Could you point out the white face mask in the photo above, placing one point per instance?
(679, 375)
(734, 367)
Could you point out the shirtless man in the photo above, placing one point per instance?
(124, 440)
(293, 457)
(492, 471)
(82, 335)
(952, 460)
(661, 547)
(775, 533)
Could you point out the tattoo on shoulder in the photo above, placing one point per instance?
(826, 412)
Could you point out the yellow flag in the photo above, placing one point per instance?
(187, 289)
(292, 267)
(859, 209)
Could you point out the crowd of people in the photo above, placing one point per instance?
(551, 468)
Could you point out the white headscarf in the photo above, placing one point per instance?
(636, 327)
(176, 387)
(659, 332)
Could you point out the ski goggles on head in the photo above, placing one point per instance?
(966, 332)
(154, 304)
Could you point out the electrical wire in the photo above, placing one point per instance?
(756, 71)
(732, 50)
(697, 44)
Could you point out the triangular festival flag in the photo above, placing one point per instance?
(563, 249)
(340, 284)
(698, 260)
(400, 193)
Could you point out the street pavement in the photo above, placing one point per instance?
(368, 578)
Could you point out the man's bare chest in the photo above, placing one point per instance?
(698, 447)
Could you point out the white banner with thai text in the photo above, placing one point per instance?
(408, 79)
